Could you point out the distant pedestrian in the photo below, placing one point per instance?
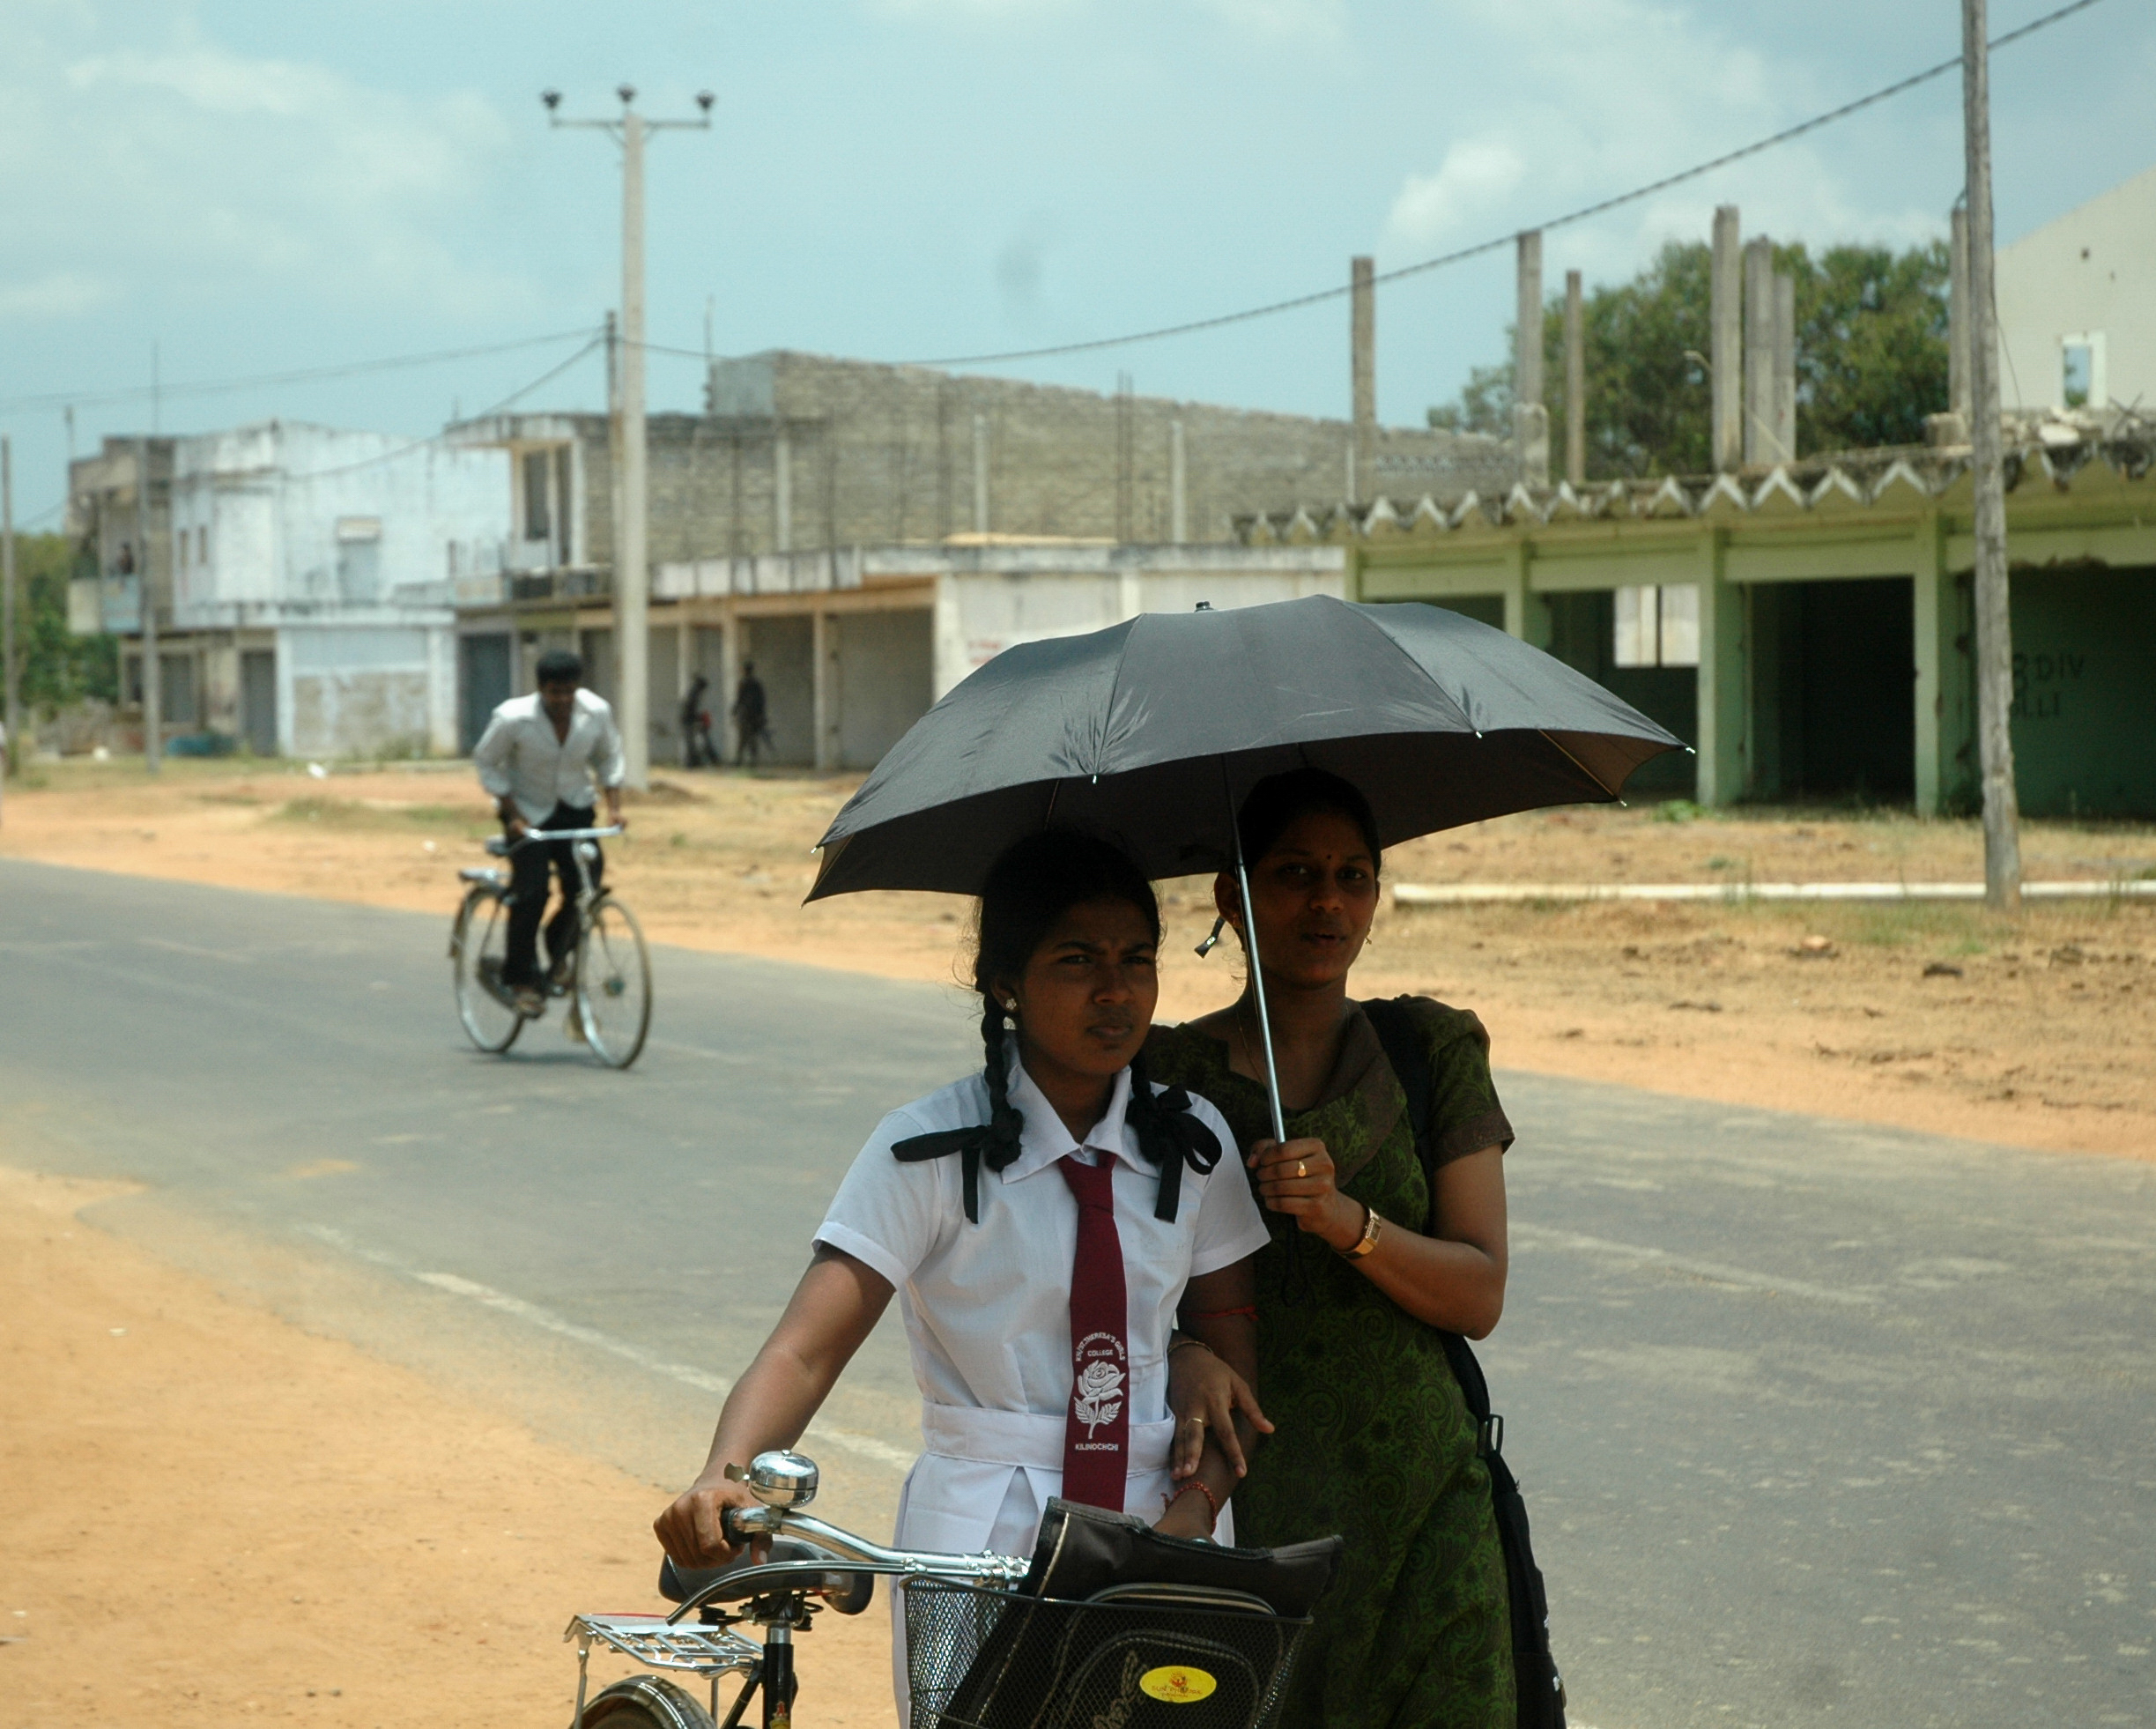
(751, 717)
(697, 751)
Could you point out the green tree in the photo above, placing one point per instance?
(57, 667)
(1871, 359)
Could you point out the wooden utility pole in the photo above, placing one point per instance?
(145, 592)
(1995, 648)
(14, 700)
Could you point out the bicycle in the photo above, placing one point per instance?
(992, 1641)
(609, 978)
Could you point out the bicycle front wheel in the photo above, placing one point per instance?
(478, 947)
(613, 982)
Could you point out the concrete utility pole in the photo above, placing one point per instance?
(1178, 486)
(145, 590)
(1725, 347)
(1362, 337)
(1530, 420)
(981, 474)
(1576, 382)
(632, 564)
(1995, 648)
(1958, 317)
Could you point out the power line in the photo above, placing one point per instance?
(302, 375)
(1582, 214)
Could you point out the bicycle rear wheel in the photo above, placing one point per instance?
(477, 947)
(645, 1701)
(613, 982)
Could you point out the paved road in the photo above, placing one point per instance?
(1816, 1420)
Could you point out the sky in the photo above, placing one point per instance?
(222, 189)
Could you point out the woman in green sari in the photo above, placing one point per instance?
(1370, 1436)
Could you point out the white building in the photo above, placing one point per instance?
(305, 581)
(853, 646)
(2077, 306)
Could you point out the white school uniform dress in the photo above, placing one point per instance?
(987, 1307)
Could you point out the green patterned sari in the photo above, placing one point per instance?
(1373, 1440)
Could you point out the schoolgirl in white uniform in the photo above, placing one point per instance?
(1043, 1221)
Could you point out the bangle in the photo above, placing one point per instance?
(1212, 1500)
(1189, 1339)
(1372, 1224)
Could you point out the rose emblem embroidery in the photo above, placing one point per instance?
(1098, 1396)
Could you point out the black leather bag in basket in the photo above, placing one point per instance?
(1115, 1623)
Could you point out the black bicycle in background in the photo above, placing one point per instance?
(608, 985)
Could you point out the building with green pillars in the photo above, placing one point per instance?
(1809, 628)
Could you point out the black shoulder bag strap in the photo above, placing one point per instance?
(1540, 1688)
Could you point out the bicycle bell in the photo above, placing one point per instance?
(587, 851)
(778, 1478)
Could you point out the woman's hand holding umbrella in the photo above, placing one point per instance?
(1296, 1177)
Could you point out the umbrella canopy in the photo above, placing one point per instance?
(1151, 733)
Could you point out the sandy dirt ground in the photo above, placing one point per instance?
(2036, 1030)
(210, 1516)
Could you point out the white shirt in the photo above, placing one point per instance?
(520, 757)
(987, 1307)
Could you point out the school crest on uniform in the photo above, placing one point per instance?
(1097, 1388)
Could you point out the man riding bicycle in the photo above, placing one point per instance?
(540, 757)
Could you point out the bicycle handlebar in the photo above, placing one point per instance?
(568, 834)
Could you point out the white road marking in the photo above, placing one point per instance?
(451, 1284)
(1719, 1273)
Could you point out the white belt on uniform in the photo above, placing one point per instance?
(1029, 1438)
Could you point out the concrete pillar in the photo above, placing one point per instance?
(1958, 314)
(1721, 743)
(782, 490)
(950, 661)
(1531, 419)
(1726, 343)
(1945, 690)
(823, 655)
(1178, 486)
(1785, 369)
(733, 628)
(981, 474)
(1363, 352)
(1759, 350)
(1527, 614)
(1576, 382)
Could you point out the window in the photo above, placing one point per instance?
(539, 519)
(1657, 627)
(2081, 371)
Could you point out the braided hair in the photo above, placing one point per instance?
(1033, 884)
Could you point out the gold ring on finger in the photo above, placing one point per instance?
(1301, 1170)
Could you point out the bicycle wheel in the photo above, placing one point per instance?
(645, 1701)
(477, 947)
(613, 982)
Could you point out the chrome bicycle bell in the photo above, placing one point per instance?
(778, 1478)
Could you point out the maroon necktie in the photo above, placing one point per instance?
(1097, 1431)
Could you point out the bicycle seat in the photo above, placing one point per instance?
(478, 873)
(849, 1593)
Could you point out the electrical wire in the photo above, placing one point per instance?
(302, 375)
(1600, 207)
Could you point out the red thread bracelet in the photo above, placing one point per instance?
(1227, 1314)
(1197, 1483)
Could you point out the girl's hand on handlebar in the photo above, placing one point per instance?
(1205, 1394)
(692, 1531)
(1296, 1177)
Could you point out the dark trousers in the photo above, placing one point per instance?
(529, 867)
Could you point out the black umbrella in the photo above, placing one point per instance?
(1151, 733)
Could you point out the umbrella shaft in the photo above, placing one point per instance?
(1257, 990)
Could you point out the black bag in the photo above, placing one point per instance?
(1115, 1623)
(1541, 1689)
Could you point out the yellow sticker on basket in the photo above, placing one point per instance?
(1179, 1684)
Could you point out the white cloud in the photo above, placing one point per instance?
(1477, 177)
(57, 294)
(220, 172)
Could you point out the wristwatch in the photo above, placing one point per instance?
(1372, 1224)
